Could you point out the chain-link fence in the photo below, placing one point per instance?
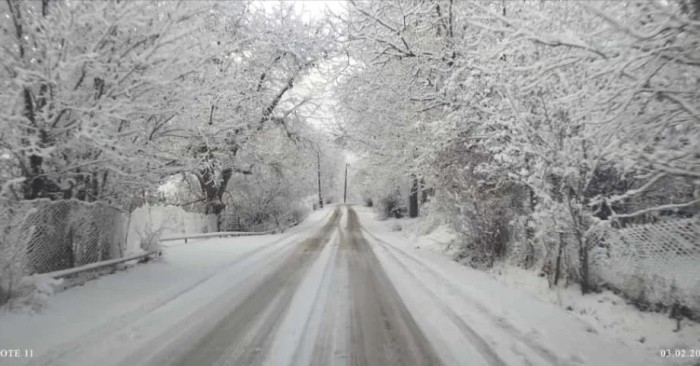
(651, 264)
(655, 263)
(57, 235)
(43, 236)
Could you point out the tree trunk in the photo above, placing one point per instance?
(583, 257)
(413, 198)
(557, 267)
(345, 185)
(582, 245)
(36, 184)
(213, 192)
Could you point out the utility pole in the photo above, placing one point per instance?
(320, 198)
(345, 190)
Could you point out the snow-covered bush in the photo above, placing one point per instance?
(149, 223)
(32, 293)
(391, 206)
(284, 185)
(259, 207)
(149, 238)
(481, 207)
(13, 247)
(10, 269)
(298, 214)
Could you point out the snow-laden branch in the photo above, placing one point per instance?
(668, 207)
(634, 192)
(618, 25)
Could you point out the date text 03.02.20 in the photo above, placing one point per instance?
(680, 353)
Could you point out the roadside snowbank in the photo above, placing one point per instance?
(435, 236)
(116, 299)
(117, 312)
(609, 314)
(516, 300)
(107, 304)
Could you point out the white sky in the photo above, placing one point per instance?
(311, 9)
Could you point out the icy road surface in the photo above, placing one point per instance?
(337, 290)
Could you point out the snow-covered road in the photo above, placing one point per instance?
(339, 289)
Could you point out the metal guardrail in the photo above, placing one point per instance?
(142, 256)
(223, 234)
(97, 265)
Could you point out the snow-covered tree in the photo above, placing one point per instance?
(560, 111)
(248, 82)
(87, 89)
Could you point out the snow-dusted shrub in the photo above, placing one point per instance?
(148, 223)
(150, 239)
(552, 243)
(298, 214)
(635, 287)
(12, 250)
(268, 199)
(149, 233)
(391, 206)
(484, 236)
(33, 292)
(477, 207)
(11, 270)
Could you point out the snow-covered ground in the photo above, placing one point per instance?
(609, 314)
(604, 314)
(317, 295)
(122, 310)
